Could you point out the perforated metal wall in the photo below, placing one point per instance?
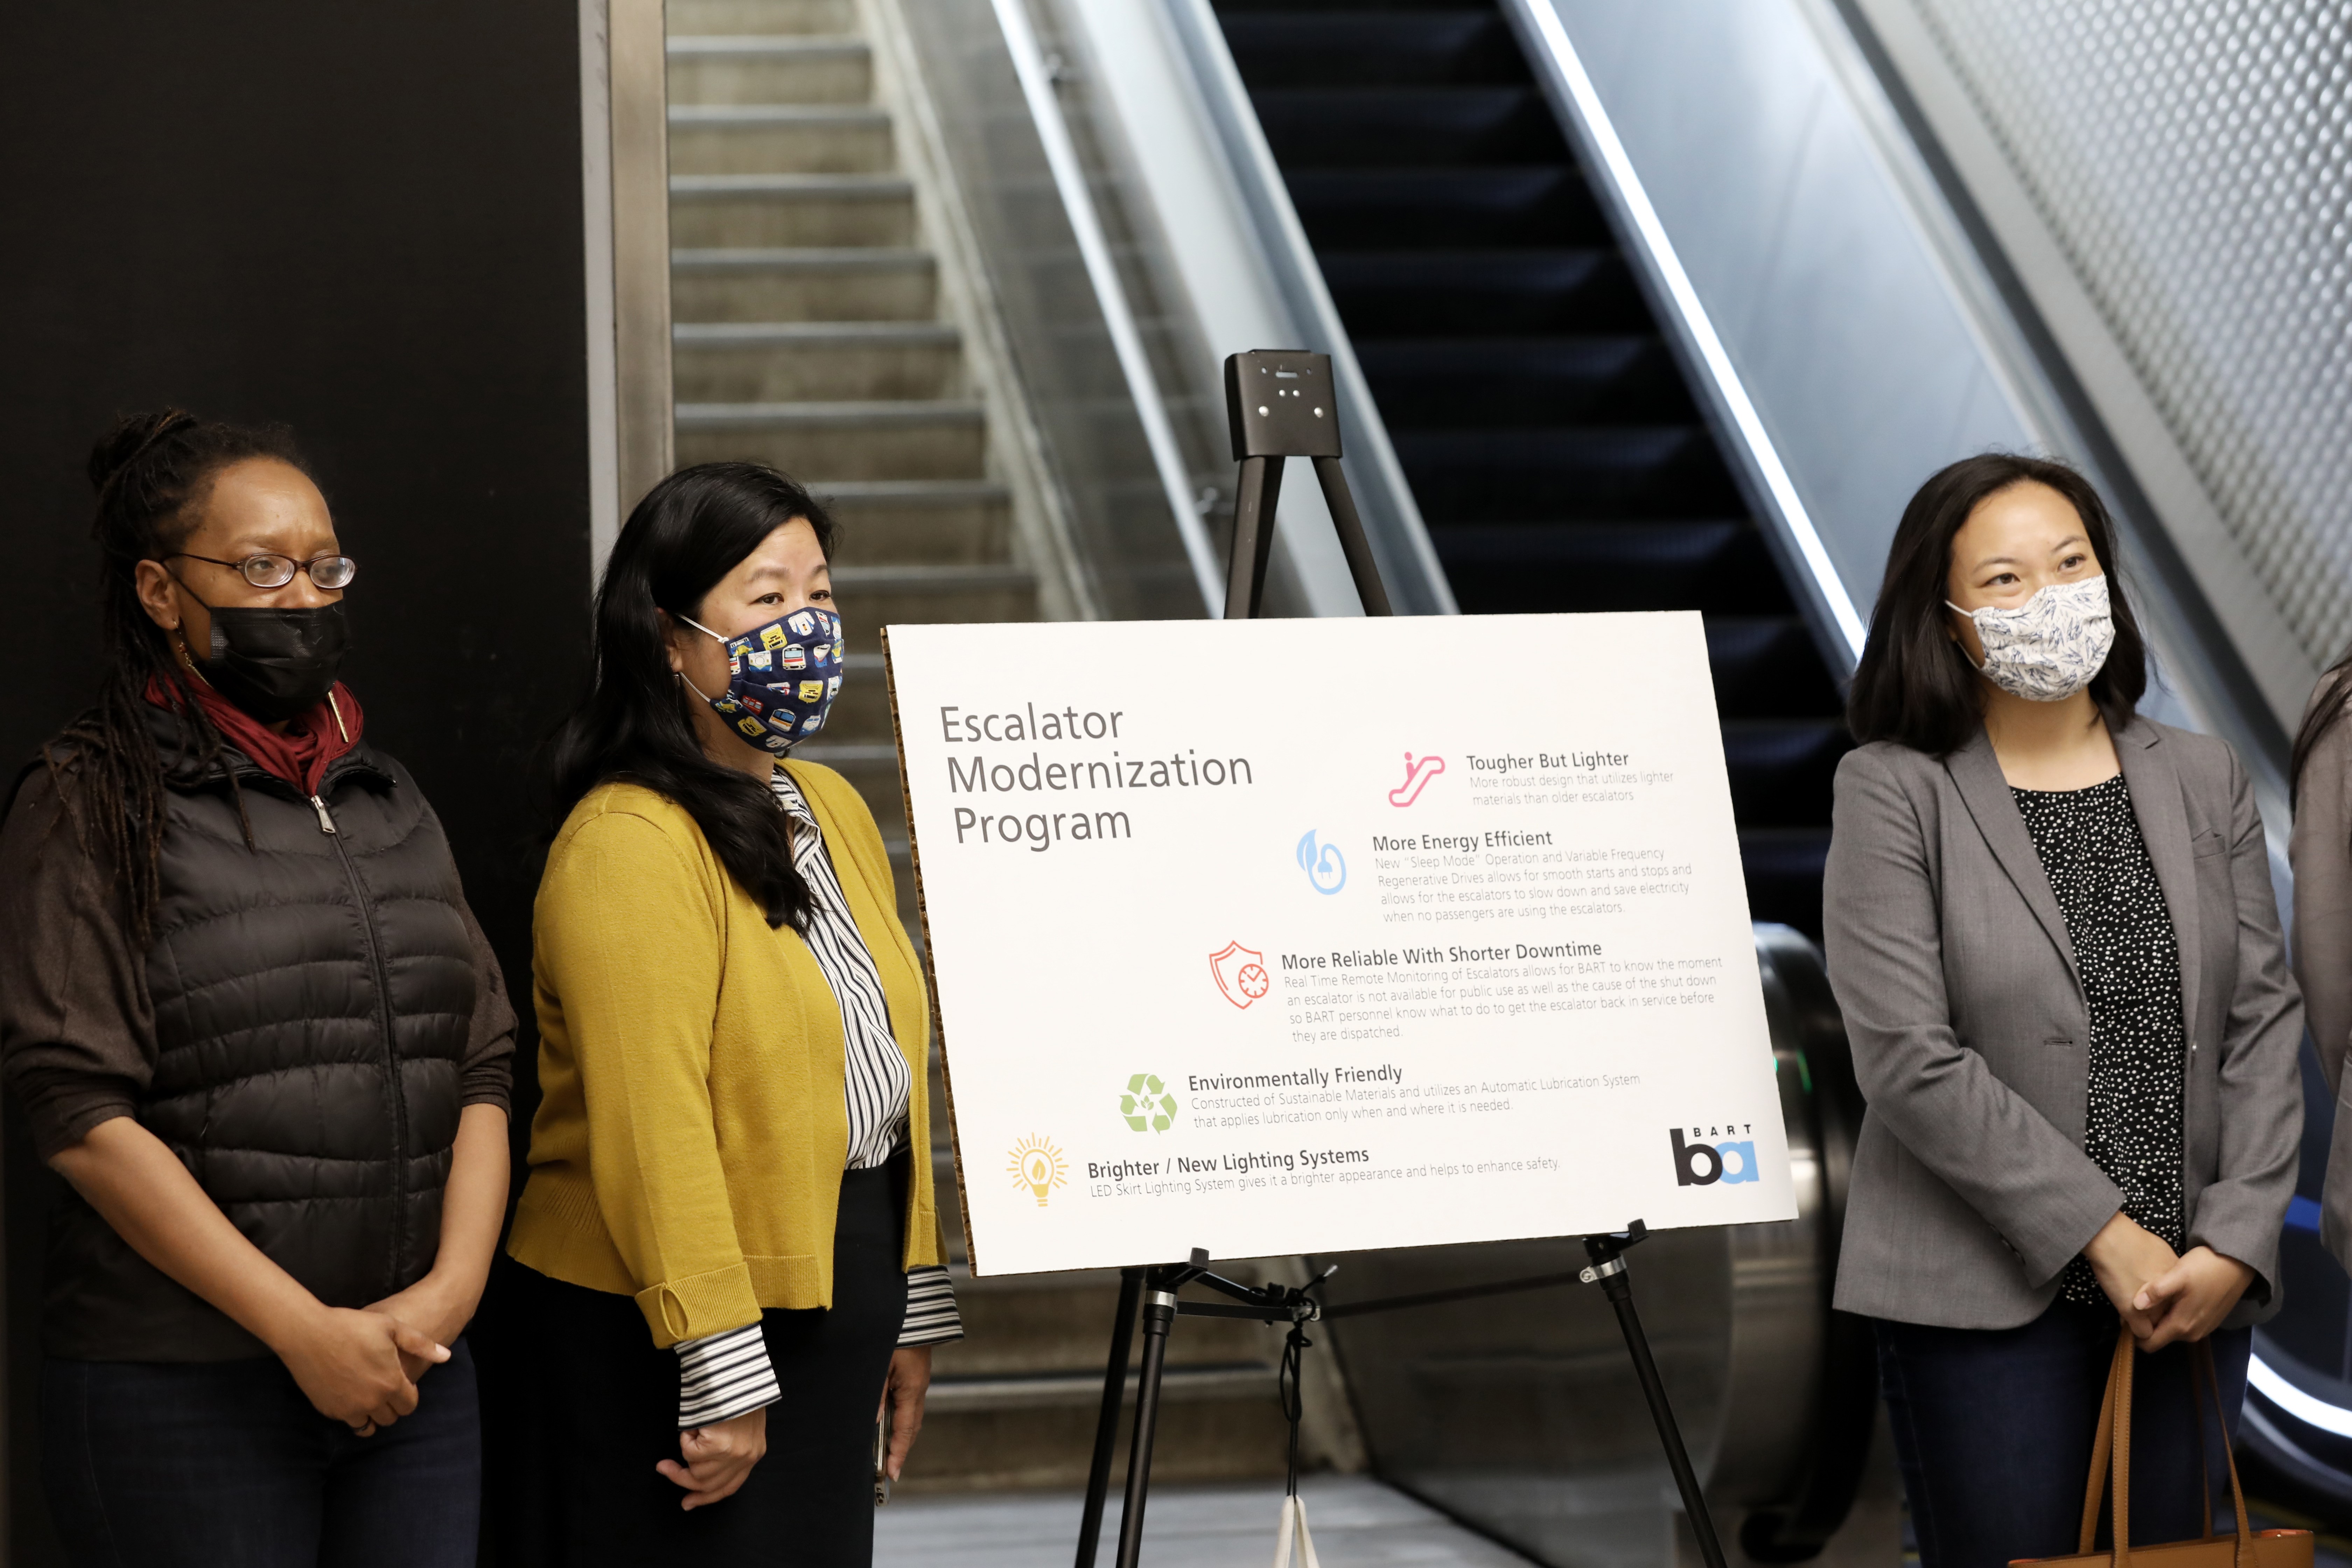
(2193, 160)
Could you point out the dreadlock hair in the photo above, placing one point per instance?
(152, 473)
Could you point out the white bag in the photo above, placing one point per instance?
(1294, 1518)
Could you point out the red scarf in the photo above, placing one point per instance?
(301, 755)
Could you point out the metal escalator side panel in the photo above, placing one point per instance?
(1818, 1486)
(1519, 1414)
(1836, 571)
(1198, 160)
(1824, 324)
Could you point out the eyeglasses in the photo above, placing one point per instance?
(330, 571)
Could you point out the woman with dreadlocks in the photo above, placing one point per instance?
(255, 1026)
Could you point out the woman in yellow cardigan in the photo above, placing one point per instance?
(726, 1257)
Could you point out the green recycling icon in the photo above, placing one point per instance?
(1147, 1103)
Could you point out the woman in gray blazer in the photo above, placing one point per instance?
(2051, 927)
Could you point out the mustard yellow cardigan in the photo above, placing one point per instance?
(689, 1149)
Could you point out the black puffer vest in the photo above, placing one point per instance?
(313, 995)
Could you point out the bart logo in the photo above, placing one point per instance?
(1146, 1104)
(1703, 1165)
(1038, 1166)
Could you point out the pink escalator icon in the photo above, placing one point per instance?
(1417, 774)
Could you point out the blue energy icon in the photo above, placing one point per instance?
(1323, 865)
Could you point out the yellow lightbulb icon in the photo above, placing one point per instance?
(1038, 1166)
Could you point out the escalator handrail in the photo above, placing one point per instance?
(1399, 539)
(1036, 78)
(1577, 104)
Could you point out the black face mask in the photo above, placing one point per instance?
(276, 664)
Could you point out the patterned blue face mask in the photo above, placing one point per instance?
(781, 677)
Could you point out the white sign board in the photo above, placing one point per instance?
(1290, 936)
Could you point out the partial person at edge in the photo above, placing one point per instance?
(2320, 851)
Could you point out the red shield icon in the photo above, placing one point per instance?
(1241, 973)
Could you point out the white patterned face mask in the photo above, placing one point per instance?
(2049, 647)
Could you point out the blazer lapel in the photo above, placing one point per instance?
(1977, 772)
(2155, 790)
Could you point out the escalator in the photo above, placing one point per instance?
(1540, 417)
(1560, 464)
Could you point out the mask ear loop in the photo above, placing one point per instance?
(1970, 617)
(706, 631)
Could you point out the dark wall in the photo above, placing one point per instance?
(362, 220)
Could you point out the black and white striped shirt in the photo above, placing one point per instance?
(729, 1374)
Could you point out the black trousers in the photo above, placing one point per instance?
(579, 1408)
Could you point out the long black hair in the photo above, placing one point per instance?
(152, 473)
(691, 530)
(1914, 684)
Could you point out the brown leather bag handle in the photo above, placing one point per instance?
(2204, 1372)
(2095, 1491)
(2111, 1454)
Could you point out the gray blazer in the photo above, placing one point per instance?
(2321, 850)
(1950, 957)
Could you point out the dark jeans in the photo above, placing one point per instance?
(226, 1465)
(1993, 1431)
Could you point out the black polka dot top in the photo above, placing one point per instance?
(2090, 847)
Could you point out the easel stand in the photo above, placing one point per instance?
(1156, 1288)
(1281, 404)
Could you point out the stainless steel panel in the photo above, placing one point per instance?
(1520, 1413)
(2171, 181)
(640, 164)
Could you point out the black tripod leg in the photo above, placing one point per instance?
(1253, 504)
(1158, 1313)
(1620, 1292)
(1122, 1340)
(1361, 564)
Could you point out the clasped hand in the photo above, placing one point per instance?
(2161, 1296)
(355, 1366)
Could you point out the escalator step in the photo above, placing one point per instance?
(1721, 568)
(1542, 420)
(1356, 127)
(1426, 384)
(1782, 769)
(1484, 293)
(1571, 474)
(1373, 48)
(1766, 667)
(1536, 204)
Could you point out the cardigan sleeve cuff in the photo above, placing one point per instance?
(699, 1305)
(724, 1375)
(932, 1316)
